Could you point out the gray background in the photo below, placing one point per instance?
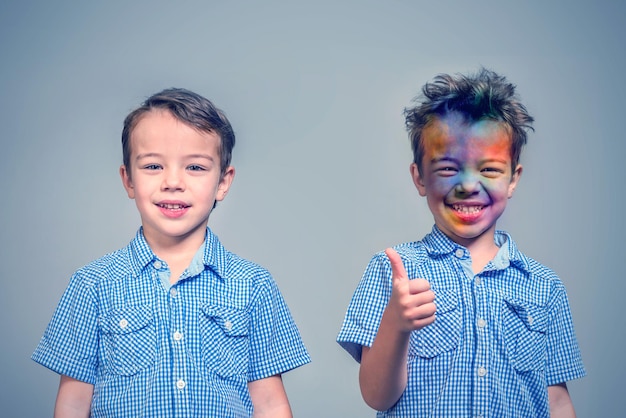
(315, 91)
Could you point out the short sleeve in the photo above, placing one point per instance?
(366, 308)
(69, 343)
(564, 360)
(275, 342)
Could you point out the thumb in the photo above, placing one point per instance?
(398, 272)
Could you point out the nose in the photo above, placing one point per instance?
(468, 185)
(172, 180)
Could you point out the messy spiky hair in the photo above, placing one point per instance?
(485, 95)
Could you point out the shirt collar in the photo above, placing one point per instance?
(214, 255)
(438, 244)
(140, 253)
(503, 257)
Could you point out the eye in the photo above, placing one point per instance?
(195, 167)
(446, 171)
(152, 167)
(491, 171)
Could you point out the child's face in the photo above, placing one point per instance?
(466, 176)
(174, 177)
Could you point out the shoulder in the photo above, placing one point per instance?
(545, 278)
(415, 251)
(90, 283)
(230, 266)
(243, 265)
(533, 267)
(406, 250)
(541, 271)
(116, 264)
(239, 268)
(521, 261)
(533, 279)
(417, 256)
(413, 255)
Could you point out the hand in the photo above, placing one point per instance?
(411, 304)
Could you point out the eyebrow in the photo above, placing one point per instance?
(444, 159)
(494, 160)
(447, 159)
(155, 154)
(204, 156)
(147, 155)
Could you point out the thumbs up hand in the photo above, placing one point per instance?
(411, 305)
(383, 373)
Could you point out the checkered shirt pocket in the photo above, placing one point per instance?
(128, 337)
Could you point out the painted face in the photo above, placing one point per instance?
(466, 176)
(174, 178)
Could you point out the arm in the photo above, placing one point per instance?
(560, 402)
(73, 398)
(269, 398)
(383, 372)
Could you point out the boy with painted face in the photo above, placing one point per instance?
(461, 323)
(173, 325)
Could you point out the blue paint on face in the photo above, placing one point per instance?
(466, 176)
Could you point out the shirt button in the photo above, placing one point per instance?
(531, 320)
(459, 253)
(123, 323)
(482, 371)
(180, 384)
(228, 325)
(478, 281)
(178, 336)
(481, 323)
(173, 292)
(157, 264)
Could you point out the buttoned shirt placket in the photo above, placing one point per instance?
(176, 337)
(476, 332)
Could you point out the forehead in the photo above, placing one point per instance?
(160, 126)
(454, 133)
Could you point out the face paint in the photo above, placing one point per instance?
(466, 176)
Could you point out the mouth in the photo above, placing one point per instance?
(172, 206)
(467, 209)
(468, 213)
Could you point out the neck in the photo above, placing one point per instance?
(176, 253)
(482, 249)
(481, 258)
(175, 250)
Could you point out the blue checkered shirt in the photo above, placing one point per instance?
(186, 350)
(499, 339)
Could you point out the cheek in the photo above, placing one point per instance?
(498, 189)
(441, 186)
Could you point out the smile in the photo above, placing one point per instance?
(172, 206)
(467, 210)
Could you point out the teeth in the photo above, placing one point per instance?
(469, 210)
(172, 206)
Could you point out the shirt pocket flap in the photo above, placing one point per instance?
(534, 317)
(442, 335)
(126, 320)
(233, 322)
(445, 301)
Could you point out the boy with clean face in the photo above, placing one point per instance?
(173, 324)
(461, 323)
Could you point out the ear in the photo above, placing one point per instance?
(417, 179)
(127, 182)
(225, 182)
(515, 179)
